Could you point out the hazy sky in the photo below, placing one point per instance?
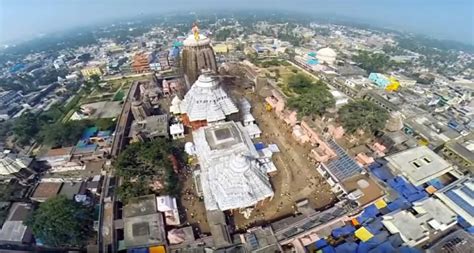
(444, 19)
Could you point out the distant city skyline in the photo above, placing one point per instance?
(446, 20)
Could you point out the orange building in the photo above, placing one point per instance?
(141, 63)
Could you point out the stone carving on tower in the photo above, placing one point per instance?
(197, 56)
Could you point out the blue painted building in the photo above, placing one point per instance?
(380, 80)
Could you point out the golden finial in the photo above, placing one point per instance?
(195, 31)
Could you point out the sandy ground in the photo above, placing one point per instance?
(192, 206)
(296, 178)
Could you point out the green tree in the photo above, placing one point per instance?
(129, 189)
(26, 128)
(362, 115)
(146, 162)
(374, 62)
(63, 134)
(300, 83)
(314, 101)
(95, 78)
(61, 222)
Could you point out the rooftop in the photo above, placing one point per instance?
(414, 227)
(13, 230)
(138, 206)
(59, 151)
(459, 241)
(419, 165)
(70, 189)
(459, 196)
(361, 183)
(343, 166)
(231, 177)
(206, 100)
(13, 163)
(46, 190)
(152, 126)
(145, 230)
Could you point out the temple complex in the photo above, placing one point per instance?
(197, 55)
(231, 176)
(206, 102)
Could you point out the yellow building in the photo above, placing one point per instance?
(221, 48)
(393, 85)
(90, 71)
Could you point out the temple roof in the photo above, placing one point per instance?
(190, 41)
(206, 100)
(231, 177)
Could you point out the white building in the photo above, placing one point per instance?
(206, 102)
(177, 131)
(459, 196)
(326, 55)
(230, 177)
(429, 216)
(419, 165)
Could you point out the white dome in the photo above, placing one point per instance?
(206, 81)
(190, 41)
(327, 52)
(327, 55)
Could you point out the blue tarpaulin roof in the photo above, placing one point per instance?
(259, 146)
(395, 240)
(321, 243)
(381, 171)
(328, 249)
(138, 250)
(89, 132)
(342, 231)
(368, 213)
(385, 247)
(405, 249)
(348, 247)
(406, 189)
(375, 226)
(363, 247)
(104, 133)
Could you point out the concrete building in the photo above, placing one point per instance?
(140, 110)
(13, 230)
(458, 241)
(380, 80)
(143, 225)
(415, 227)
(231, 178)
(197, 55)
(339, 168)
(205, 103)
(46, 190)
(459, 196)
(90, 71)
(326, 55)
(419, 165)
(150, 128)
(460, 152)
(15, 165)
(141, 63)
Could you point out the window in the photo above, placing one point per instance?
(416, 164)
(426, 159)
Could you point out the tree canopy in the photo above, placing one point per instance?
(61, 222)
(362, 115)
(315, 100)
(300, 83)
(140, 164)
(374, 62)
